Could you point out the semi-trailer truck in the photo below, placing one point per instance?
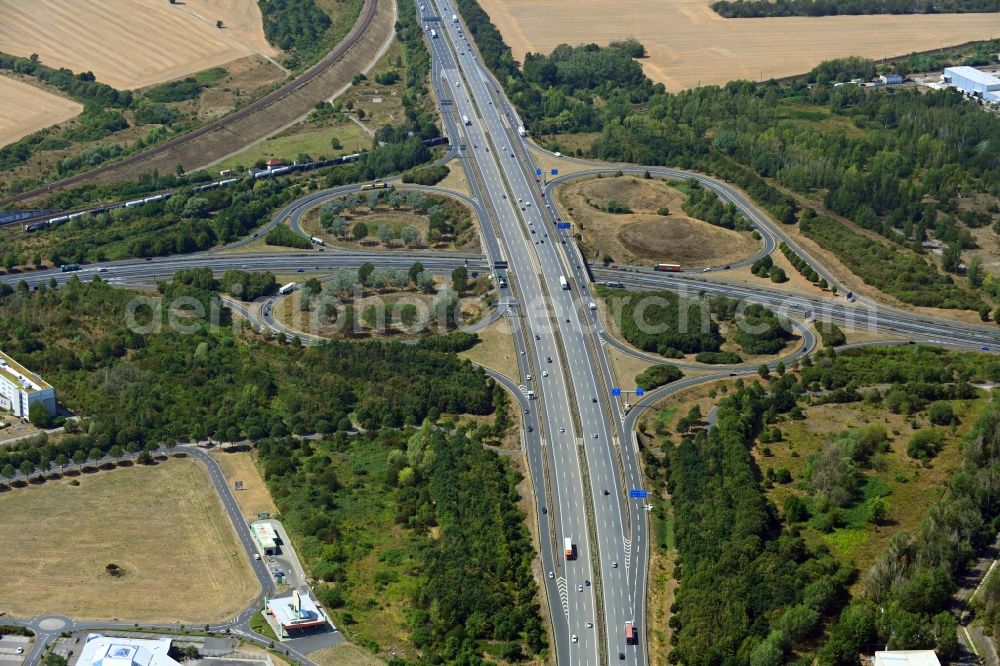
(562, 282)
(570, 550)
(287, 289)
(434, 34)
(629, 633)
(317, 240)
(454, 18)
(521, 131)
(667, 268)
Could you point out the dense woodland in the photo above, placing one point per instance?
(892, 161)
(296, 26)
(195, 380)
(751, 591)
(468, 588)
(761, 8)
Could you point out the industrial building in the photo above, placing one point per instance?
(264, 535)
(295, 613)
(117, 651)
(973, 82)
(19, 389)
(906, 658)
(890, 80)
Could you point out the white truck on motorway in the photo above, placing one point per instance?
(454, 18)
(521, 131)
(287, 289)
(317, 240)
(562, 282)
(434, 34)
(466, 121)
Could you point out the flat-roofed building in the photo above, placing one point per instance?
(294, 613)
(906, 658)
(20, 388)
(264, 535)
(103, 650)
(974, 82)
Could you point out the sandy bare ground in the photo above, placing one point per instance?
(133, 43)
(689, 44)
(27, 109)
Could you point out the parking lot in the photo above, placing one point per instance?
(13, 650)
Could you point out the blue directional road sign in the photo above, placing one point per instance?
(638, 493)
(616, 392)
(538, 172)
(555, 172)
(640, 391)
(563, 225)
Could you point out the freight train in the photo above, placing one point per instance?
(256, 174)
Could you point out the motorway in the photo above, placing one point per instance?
(587, 469)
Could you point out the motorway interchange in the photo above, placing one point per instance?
(579, 443)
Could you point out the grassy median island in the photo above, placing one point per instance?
(173, 552)
(390, 220)
(639, 221)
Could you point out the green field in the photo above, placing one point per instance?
(314, 141)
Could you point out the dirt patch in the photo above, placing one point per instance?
(163, 41)
(495, 349)
(175, 545)
(28, 108)
(654, 229)
(345, 654)
(688, 44)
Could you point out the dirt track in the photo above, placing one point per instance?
(232, 135)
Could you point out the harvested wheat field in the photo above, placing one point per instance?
(133, 43)
(688, 43)
(27, 109)
(163, 526)
(645, 235)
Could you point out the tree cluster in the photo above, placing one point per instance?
(762, 8)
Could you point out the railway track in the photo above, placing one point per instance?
(320, 68)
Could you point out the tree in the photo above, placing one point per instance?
(974, 271)
(116, 453)
(386, 234)
(763, 371)
(410, 236)
(941, 413)
(26, 468)
(80, 457)
(460, 279)
(364, 271)
(39, 416)
(62, 461)
(951, 258)
(425, 282)
(415, 270)
(312, 286)
(338, 226)
(8, 471)
(360, 232)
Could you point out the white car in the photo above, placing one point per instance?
(562, 429)
(590, 625)
(256, 556)
(527, 378)
(575, 639)
(551, 575)
(579, 588)
(706, 269)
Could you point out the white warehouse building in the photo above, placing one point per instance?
(974, 82)
(19, 389)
